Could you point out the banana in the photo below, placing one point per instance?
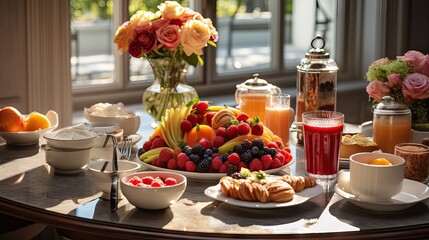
(218, 108)
(148, 155)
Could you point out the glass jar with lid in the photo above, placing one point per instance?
(251, 96)
(392, 124)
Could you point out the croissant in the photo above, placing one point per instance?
(279, 191)
(299, 183)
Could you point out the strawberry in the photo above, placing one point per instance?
(193, 119)
(185, 126)
(273, 145)
(242, 117)
(288, 157)
(209, 117)
(266, 161)
(157, 182)
(147, 145)
(279, 143)
(223, 168)
(190, 166)
(232, 131)
(170, 181)
(218, 141)
(287, 149)
(276, 163)
(257, 129)
(201, 107)
(147, 180)
(135, 180)
(200, 118)
(280, 157)
(243, 128)
(255, 165)
(172, 164)
(165, 155)
(157, 142)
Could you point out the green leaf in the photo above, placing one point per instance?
(191, 60)
(193, 101)
(211, 43)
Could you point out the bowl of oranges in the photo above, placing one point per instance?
(25, 129)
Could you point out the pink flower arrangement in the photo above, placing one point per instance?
(174, 31)
(407, 80)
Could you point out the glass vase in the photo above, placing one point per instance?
(169, 88)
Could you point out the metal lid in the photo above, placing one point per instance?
(256, 84)
(388, 106)
(317, 51)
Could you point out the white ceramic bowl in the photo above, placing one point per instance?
(31, 137)
(129, 123)
(67, 161)
(103, 180)
(70, 144)
(154, 198)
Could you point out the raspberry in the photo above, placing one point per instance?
(221, 132)
(157, 183)
(201, 107)
(170, 181)
(190, 166)
(279, 143)
(241, 165)
(234, 158)
(209, 117)
(257, 129)
(146, 145)
(255, 165)
(223, 168)
(273, 145)
(182, 158)
(287, 149)
(157, 142)
(135, 180)
(280, 157)
(200, 118)
(243, 128)
(288, 157)
(193, 119)
(205, 143)
(232, 131)
(218, 141)
(242, 117)
(147, 180)
(276, 163)
(266, 161)
(186, 126)
(172, 164)
(165, 155)
(216, 163)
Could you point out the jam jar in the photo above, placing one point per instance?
(251, 96)
(392, 124)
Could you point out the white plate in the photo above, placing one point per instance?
(412, 192)
(31, 137)
(207, 176)
(215, 193)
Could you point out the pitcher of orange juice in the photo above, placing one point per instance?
(392, 124)
(251, 96)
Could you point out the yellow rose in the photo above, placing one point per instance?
(141, 17)
(124, 36)
(195, 35)
(171, 10)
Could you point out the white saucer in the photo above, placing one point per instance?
(412, 192)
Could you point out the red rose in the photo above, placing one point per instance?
(135, 49)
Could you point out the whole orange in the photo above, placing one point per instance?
(11, 120)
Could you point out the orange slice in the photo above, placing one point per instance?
(380, 161)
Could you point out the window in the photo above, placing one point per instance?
(265, 36)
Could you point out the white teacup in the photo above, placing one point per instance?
(375, 183)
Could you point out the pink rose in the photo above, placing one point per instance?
(135, 49)
(377, 90)
(415, 86)
(394, 81)
(418, 60)
(195, 35)
(169, 36)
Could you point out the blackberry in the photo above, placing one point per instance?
(246, 157)
(237, 175)
(209, 152)
(203, 166)
(258, 143)
(198, 150)
(231, 169)
(246, 144)
(238, 149)
(195, 158)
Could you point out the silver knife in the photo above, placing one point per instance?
(114, 187)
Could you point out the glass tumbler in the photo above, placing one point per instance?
(322, 138)
(416, 160)
(279, 115)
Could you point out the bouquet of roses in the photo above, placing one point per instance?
(174, 31)
(405, 78)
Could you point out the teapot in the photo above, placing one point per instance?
(251, 96)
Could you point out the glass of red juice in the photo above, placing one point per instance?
(322, 138)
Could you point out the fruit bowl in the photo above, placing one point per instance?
(31, 137)
(153, 197)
